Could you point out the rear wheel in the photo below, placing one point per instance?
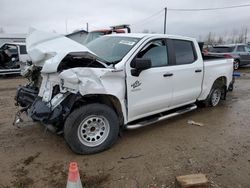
(91, 128)
(214, 96)
(236, 64)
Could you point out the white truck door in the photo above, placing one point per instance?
(187, 72)
(151, 91)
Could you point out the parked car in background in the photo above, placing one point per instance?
(239, 52)
(248, 45)
(13, 56)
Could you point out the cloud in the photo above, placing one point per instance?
(18, 15)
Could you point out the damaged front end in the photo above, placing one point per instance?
(61, 73)
(41, 100)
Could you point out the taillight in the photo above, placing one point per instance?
(228, 56)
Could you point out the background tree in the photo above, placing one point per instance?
(1, 30)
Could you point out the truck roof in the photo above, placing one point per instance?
(147, 35)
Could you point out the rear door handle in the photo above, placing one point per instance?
(168, 74)
(198, 70)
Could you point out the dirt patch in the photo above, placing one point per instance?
(21, 178)
(30, 159)
(58, 175)
(95, 181)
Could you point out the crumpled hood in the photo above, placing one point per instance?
(48, 49)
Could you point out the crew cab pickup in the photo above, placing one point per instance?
(116, 82)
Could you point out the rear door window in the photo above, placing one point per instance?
(184, 52)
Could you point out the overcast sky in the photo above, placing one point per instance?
(52, 15)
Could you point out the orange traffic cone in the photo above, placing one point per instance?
(73, 176)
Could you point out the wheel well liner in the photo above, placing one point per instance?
(221, 80)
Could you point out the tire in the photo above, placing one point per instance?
(236, 64)
(231, 87)
(214, 96)
(91, 128)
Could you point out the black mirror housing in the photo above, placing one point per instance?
(139, 65)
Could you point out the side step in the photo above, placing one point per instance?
(10, 71)
(157, 119)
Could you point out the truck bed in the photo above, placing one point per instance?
(211, 58)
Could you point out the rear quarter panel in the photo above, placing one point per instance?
(213, 70)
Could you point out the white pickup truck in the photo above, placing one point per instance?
(116, 82)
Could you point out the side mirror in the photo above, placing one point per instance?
(138, 65)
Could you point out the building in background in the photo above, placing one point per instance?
(78, 36)
(9, 38)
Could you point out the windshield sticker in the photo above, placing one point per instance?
(130, 43)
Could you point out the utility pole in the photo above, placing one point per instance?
(87, 27)
(246, 35)
(165, 20)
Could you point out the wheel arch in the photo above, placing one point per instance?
(207, 87)
(221, 82)
(109, 100)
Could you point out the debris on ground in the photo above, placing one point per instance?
(131, 157)
(192, 180)
(191, 122)
(30, 159)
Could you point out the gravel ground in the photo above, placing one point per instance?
(147, 157)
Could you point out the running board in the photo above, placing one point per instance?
(157, 119)
(9, 71)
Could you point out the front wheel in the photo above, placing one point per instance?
(91, 128)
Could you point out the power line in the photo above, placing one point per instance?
(207, 9)
(147, 18)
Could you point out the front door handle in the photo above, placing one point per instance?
(168, 74)
(198, 70)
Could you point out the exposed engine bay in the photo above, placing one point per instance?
(49, 98)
